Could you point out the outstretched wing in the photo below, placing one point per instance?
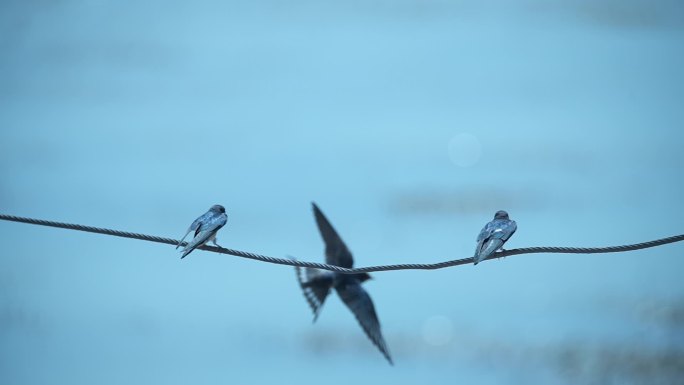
(360, 303)
(336, 252)
(315, 285)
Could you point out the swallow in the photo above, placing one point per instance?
(316, 284)
(205, 228)
(493, 236)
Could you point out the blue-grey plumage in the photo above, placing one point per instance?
(316, 284)
(205, 228)
(493, 236)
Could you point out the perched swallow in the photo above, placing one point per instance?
(205, 228)
(493, 236)
(316, 284)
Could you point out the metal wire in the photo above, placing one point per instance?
(370, 269)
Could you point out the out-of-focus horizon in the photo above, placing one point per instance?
(408, 122)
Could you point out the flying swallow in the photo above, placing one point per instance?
(205, 228)
(316, 284)
(493, 236)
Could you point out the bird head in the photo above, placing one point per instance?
(218, 209)
(501, 215)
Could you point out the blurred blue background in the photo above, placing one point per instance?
(409, 122)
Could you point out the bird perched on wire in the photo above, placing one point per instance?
(205, 228)
(316, 284)
(493, 236)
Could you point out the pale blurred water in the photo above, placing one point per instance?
(409, 123)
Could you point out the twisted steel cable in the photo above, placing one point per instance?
(369, 269)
